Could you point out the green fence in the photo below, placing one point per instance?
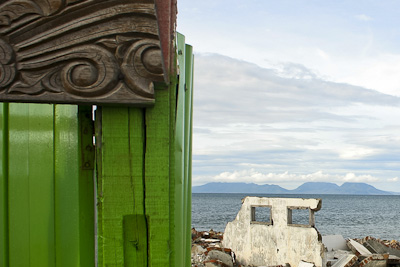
(144, 176)
(46, 186)
(142, 172)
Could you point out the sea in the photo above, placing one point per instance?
(352, 216)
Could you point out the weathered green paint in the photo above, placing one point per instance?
(144, 167)
(48, 198)
(120, 140)
(116, 187)
(135, 240)
(157, 171)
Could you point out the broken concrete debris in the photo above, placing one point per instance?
(210, 254)
(279, 238)
(281, 241)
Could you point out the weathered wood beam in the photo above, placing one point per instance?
(84, 51)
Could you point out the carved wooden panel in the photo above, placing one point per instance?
(79, 51)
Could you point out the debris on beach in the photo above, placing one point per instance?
(208, 251)
(278, 241)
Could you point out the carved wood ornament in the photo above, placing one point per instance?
(79, 51)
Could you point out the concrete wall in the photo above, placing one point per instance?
(276, 242)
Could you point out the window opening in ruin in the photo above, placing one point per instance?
(300, 217)
(261, 215)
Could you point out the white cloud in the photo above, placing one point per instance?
(322, 54)
(395, 179)
(254, 176)
(246, 116)
(363, 17)
(356, 152)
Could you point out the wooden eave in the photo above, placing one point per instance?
(104, 52)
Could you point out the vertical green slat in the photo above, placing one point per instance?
(179, 157)
(174, 240)
(135, 240)
(157, 168)
(117, 195)
(4, 185)
(136, 245)
(41, 185)
(136, 146)
(66, 186)
(99, 187)
(188, 150)
(123, 235)
(19, 235)
(86, 186)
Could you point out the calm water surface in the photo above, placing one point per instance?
(348, 215)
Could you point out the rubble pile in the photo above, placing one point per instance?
(365, 252)
(207, 251)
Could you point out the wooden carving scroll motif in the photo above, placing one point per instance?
(79, 51)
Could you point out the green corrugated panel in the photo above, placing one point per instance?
(19, 211)
(50, 198)
(180, 158)
(74, 198)
(66, 189)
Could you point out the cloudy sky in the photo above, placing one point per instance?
(294, 91)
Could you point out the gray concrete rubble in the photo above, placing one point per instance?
(275, 239)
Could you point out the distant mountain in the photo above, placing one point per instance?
(361, 189)
(320, 187)
(239, 188)
(306, 188)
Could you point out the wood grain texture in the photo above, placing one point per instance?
(122, 187)
(80, 51)
(157, 179)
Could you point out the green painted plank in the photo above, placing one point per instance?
(136, 154)
(19, 210)
(117, 195)
(41, 185)
(174, 241)
(99, 187)
(86, 186)
(4, 184)
(135, 240)
(157, 170)
(188, 151)
(66, 185)
(121, 184)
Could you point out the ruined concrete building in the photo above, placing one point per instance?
(265, 233)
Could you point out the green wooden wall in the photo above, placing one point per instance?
(46, 186)
(144, 176)
(143, 180)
